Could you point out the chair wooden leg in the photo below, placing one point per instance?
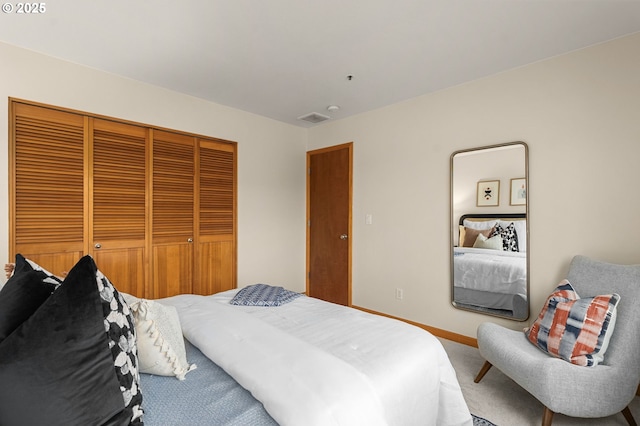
(627, 415)
(547, 417)
(487, 365)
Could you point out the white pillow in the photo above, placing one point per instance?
(494, 243)
(159, 337)
(479, 224)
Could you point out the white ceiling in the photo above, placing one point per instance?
(286, 58)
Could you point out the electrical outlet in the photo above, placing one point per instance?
(399, 293)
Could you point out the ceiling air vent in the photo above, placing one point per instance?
(313, 117)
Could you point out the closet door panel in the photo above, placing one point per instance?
(216, 219)
(47, 185)
(118, 203)
(172, 269)
(172, 213)
(216, 270)
(124, 267)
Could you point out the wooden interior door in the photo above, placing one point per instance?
(117, 202)
(173, 213)
(216, 218)
(47, 186)
(329, 192)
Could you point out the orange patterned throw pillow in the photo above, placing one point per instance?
(574, 329)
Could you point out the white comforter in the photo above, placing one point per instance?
(490, 270)
(315, 363)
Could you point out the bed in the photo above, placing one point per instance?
(490, 264)
(219, 359)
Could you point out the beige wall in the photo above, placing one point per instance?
(578, 113)
(271, 243)
(580, 116)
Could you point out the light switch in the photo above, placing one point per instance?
(368, 219)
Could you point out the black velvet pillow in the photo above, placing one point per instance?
(23, 294)
(25, 265)
(60, 367)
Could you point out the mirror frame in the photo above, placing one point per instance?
(452, 241)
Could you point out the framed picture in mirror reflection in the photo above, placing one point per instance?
(518, 192)
(488, 193)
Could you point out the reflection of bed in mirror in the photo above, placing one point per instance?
(490, 264)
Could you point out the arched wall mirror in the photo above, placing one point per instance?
(489, 230)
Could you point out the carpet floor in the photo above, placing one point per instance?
(501, 401)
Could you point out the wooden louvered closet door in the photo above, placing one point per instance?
(47, 186)
(173, 211)
(155, 208)
(216, 250)
(118, 202)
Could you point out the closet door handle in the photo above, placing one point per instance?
(189, 240)
(344, 236)
(98, 245)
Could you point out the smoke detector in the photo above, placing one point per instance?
(314, 117)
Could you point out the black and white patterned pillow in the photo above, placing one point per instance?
(121, 333)
(509, 236)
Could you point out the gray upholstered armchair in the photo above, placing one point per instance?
(560, 386)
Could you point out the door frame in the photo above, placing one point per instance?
(349, 147)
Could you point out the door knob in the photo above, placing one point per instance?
(189, 240)
(344, 236)
(98, 245)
